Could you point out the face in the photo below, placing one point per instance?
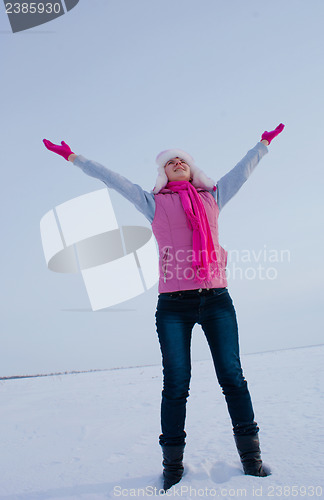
(177, 169)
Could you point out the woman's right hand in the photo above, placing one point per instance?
(62, 150)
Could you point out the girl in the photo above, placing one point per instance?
(183, 209)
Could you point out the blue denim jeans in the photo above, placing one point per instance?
(176, 315)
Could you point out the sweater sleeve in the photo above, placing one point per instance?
(231, 182)
(142, 200)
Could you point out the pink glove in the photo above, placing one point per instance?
(268, 136)
(63, 150)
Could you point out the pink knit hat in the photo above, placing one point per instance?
(199, 179)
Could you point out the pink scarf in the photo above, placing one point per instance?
(204, 255)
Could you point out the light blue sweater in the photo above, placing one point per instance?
(144, 201)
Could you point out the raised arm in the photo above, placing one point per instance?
(231, 182)
(142, 200)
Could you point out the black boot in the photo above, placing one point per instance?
(172, 464)
(250, 454)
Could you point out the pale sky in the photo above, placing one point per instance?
(120, 81)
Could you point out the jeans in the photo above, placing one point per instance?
(176, 315)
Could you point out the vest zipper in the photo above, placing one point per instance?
(165, 265)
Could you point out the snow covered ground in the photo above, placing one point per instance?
(94, 436)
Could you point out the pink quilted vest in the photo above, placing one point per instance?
(174, 239)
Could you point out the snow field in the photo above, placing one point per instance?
(94, 436)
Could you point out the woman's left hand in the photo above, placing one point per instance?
(269, 136)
